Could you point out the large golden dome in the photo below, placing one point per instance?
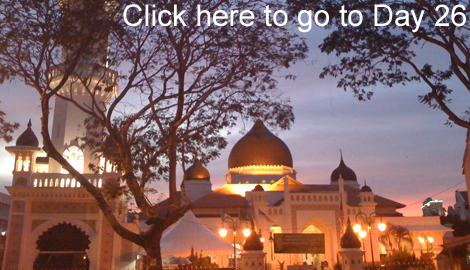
(259, 147)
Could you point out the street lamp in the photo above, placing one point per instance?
(233, 224)
(369, 220)
(426, 238)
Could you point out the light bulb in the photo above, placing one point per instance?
(430, 239)
(357, 228)
(382, 226)
(421, 239)
(223, 232)
(362, 234)
(262, 239)
(246, 232)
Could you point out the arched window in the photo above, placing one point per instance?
(75, 157)
(26, 164)
(19, 163)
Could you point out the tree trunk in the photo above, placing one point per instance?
(152, 247)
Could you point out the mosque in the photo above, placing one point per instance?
(262, 192)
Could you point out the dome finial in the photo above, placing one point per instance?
(341, 154)
(29, 123)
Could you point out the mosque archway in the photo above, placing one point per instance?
(62, 247)
(309, 258)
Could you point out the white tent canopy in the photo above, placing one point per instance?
(189, 233)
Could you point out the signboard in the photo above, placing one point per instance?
(299, 243)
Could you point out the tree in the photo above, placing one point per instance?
(7, 128)
(187, 83)
(391, 55)
(396, 237)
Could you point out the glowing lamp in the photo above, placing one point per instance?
(382, 226)
(362, 234)
(421, 239)
(357, 228)
(223, 232)
(430, 239)
(246, 232)
(262, 239)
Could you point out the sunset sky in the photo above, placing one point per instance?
(399, 146)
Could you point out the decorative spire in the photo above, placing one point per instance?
(341, 153)
(29, 123)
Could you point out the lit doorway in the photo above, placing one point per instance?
(315, 259)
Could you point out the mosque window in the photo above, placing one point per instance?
(75, 157)
(275, 211)
(19, 163)
(320, 198)
(270, 212)
(309, 198)
(326, 198)
(331, 198)
(280, 211)
(26, 164)
(297, 198)
(314, 198)
(303, 198)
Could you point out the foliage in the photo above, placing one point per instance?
(153, 96)
(396, 238)
(391, 55)
(7, 128)
(401, 259)
(200, 261)
(461, 227)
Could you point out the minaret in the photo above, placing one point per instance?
(91, 85)
(367, 199)
(25, 153)
(351, 253)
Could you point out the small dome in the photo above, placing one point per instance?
(258, 187)
(343, 170)
(366, 188)
(197, 172)
(260, 147)
(349, 239)
(253, 243)
(28, 138)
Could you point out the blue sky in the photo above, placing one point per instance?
(398, 145)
